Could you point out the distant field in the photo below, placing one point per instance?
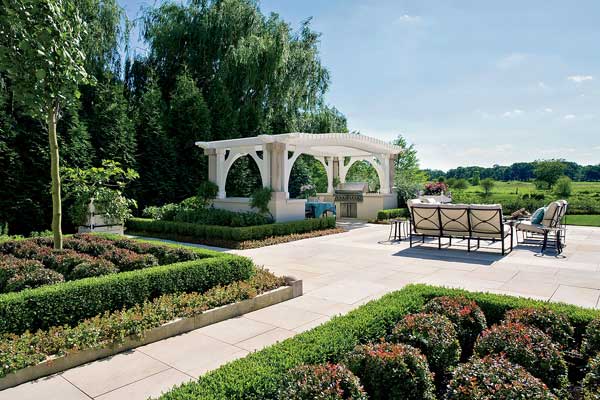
(583, 220)
(521, 188)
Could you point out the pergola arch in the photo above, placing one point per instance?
(276, 163)
(327, 163)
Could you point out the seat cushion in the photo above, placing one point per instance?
(529, 227)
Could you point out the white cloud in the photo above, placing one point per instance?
(513, 113)
(542, 85)
(512, 60)
(580, 78)
(548, 110)
(408, 19)
(569, 116)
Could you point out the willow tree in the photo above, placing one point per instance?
(41, 54)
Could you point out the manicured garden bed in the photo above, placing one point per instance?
(388, 348)
(233, 237)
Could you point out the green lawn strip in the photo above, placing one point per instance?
(259, 375)
(583, 220)
(28, 349)
(73, 301)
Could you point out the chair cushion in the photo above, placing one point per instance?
(538, 215)
(529, 227)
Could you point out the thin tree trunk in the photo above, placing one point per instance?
(54, 171)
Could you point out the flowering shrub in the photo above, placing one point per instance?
(94, 268)
(434, 335)
(435, 188)
(32, 278)
(392, 371)
(468, 319)
(590, 346)
(11, 266)
(591, 381)
(555, 325)
(127, 260)
(321, 382)
(528, 347)
(494, 377)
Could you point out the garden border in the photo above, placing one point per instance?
(173, 328)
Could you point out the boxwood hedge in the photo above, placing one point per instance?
(390, 213)
(259, 375)
(144, 226)
(71, 302)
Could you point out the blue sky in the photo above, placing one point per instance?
(468, 82)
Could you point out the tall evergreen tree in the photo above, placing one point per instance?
(188, 122)
(156, 158)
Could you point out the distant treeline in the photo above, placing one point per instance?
(521, 171)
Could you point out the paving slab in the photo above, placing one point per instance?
(152, 386)
(53, 387)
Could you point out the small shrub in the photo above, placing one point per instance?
(11, 266)
(392, 371)
(555, 325)
(468, 319)
(563, 187)
(591, 381)
(321, 382)
(127, 260)
(494, 377)
(435, 188)
(528, 347)
(590, 345)
(434, 335)
(29, 279)
(93, 268)
(383, 215)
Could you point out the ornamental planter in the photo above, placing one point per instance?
(99, 222)
(173, 328)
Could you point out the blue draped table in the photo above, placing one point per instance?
(318, 208)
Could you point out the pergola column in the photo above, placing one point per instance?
(220, 173)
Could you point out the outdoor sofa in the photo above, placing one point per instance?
(471, 222)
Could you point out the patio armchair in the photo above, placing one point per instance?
(550, 229)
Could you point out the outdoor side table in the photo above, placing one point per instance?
(398, 229)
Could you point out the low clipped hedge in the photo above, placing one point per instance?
(259, 375)
(382, 215)
(71, 302)
(148, 227)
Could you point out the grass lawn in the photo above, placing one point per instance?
(583, 220)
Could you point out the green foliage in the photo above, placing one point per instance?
(260, 200)
(392, 371)
(549, 171)
(434, 335)
(220, 217)
(590, 346)
(555, 325)
(104, 187)
(563, 186)
(494, 377)
(391, 213)
(321, 382)
(28, 349)
(528, 347)
(487, 185)
(468, 319)
(207, 192)
(167, 229)
(475, 179)
(243, 178)
(46, 306)
(591, 381)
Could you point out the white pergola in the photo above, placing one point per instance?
(275, 156)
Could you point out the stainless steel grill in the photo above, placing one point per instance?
(348, 195)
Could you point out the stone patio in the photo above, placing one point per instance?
(340, 273)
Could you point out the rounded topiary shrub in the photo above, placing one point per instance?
(528, 347)
(392, 371)
(321, 382)
(29, 279)
(434, 335)
(591, 382)
(555, 325)
(495, 377)
(94, 268)
(590, 345)
(468, 319)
